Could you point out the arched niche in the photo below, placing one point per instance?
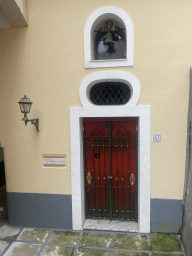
(96, 20)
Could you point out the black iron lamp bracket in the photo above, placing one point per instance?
(33, 121)
(25, 106)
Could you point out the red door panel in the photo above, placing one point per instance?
(110, 167)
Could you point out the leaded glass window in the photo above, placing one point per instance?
(110, 93)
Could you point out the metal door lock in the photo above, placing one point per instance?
(110, 177)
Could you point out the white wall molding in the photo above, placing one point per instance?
(77, 172)
(103, 13)
(103, 76)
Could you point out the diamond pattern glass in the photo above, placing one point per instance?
(110, 93)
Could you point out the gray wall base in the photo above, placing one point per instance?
(55, 211)
(40, 210)
(165, 215)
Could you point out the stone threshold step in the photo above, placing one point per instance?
(114, 225)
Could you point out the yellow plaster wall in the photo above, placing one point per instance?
(45, 61)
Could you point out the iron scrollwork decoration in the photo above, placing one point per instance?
(132, 179)
(89, 178)
(111, 169)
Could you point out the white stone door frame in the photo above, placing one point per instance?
(77, 171)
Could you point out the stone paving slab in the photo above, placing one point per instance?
(34, 235)
(132, 254)
(96, 240)
(42, 242)
(165, 242)
(92, 252)
(57, 251)
(131, 242)
(64, 237)
(3, 245)
(18, 249)
(8, 232)
(165, 254)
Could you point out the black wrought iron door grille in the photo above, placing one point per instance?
(109, 192)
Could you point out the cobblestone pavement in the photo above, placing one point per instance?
(16, 241)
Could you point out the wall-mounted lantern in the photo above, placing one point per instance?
(25, 106)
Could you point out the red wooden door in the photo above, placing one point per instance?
(110, 150)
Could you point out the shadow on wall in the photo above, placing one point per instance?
(186, 225)
(3, 194)
(2, 174)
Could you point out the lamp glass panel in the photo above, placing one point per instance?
(22, 107)
(25, 108)
(25, 105)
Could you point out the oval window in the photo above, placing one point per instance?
(110, 93)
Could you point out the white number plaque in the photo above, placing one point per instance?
(157, 137)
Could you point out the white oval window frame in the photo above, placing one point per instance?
(107, 76)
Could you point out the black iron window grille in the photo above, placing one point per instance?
(110, 164)
(110, 93)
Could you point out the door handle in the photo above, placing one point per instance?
(110, 177)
